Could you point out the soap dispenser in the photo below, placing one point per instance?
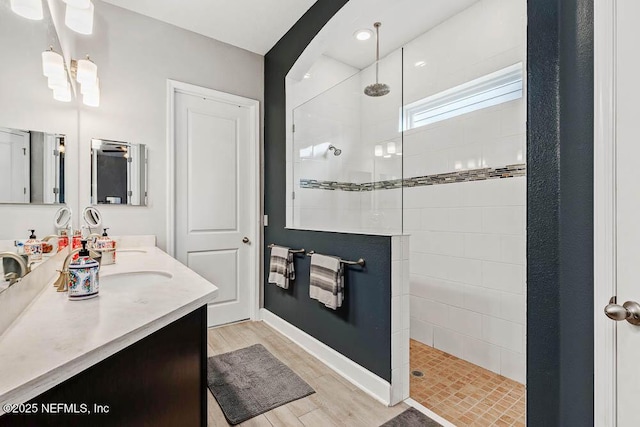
(33, 247)
(107, 248)
(84, 276)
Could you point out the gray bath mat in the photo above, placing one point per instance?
(251, 381)
(411, 418)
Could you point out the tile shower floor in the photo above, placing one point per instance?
(464, 393)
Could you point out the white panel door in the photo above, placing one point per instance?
(214, 230)
(627, 235)
(15, 166)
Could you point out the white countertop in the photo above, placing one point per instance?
(54, 339)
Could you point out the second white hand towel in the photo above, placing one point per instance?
(326, 283)
(281, 271)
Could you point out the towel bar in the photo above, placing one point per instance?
(293, 251)
(359, 262)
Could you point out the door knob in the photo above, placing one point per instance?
(245, 240)
(629, 311)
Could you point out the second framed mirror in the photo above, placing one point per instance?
(118, 173)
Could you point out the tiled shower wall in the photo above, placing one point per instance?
(468, 239)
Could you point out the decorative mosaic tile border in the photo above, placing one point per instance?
(509, 171)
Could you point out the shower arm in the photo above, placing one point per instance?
(377, 25)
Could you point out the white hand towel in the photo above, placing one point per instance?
(326, 283)
(281, 271)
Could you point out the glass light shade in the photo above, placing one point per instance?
(87, 72)
(79, 20)
(78, 4)
(30, 9)
(52, 64)
(91, 99)
(378, 151)
(87, 88)
(58, 82)
(62, 94)
(391, 147)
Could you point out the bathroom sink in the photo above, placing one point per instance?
(135, 278)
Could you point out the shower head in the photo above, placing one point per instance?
(377, 89)
(336, 151)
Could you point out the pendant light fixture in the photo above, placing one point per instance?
(78, 16)
(52, 64)
(86, 73)
(30, 9)
(377, 89)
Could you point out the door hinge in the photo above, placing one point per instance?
(293, 195)
(129, 160)
(293, 128)
(24, 151)
(56, 153)
(24, 190)
(56, 190)
(129, 193)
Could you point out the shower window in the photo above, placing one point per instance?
(496, 88)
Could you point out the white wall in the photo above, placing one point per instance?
(27, 103)
(468, 239)
(135, 57)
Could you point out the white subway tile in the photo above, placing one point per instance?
(503, 220)
(465, 322)
(482, 354)
(503, 333)
(396, 350)
(482, 300)
(421, 331)
(448, 341)
(465, 220)
(396, 314)
(513, 249)
(463, 270)
(445, 243)
(502, 276)
(396, 278)
(513, 365)
(411, 219)
(438, 290)
(482, 246)
(507, 150)
(405, 311)
(513, 307)
(435, 219)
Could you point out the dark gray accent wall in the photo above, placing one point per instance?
(361, 329)
(560, 213)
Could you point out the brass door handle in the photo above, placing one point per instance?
(629, 311)
(245, 240)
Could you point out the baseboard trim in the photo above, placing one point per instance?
(362, 378)
(429, 413)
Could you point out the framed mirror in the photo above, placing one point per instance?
(118, 173)
(32, 165)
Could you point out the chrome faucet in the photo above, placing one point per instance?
(62, 283)
(13, 277)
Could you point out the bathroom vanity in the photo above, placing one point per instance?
(135, 355)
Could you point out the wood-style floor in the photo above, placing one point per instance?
(336, 401)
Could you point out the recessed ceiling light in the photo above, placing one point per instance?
(363, 35)
(420, 64)
(307, 76)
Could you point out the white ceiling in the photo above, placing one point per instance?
(254, 25)
(402, 21)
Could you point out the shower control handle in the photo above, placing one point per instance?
(629, 311)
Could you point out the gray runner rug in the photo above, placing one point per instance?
(411, 418)
(251, 381)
